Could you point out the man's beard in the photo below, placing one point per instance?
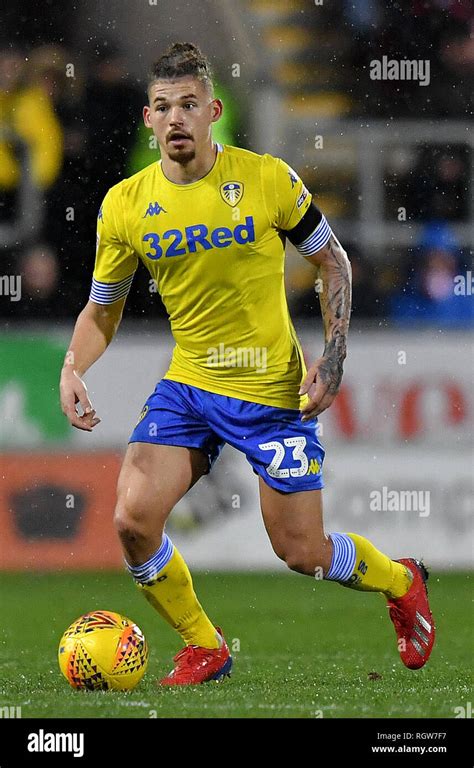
(182, 156)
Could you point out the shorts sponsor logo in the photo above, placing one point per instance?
(142, 414)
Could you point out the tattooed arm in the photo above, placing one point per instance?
(324, 377)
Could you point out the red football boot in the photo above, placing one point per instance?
(196, 665)
(412, 618)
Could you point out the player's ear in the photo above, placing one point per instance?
(217, 110)
(146, 116)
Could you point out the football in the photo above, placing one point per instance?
(103, 651)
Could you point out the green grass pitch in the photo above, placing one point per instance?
(301, 649)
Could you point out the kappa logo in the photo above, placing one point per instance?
(154, 209)
(232, 192)
(313, 467)
(293, 178)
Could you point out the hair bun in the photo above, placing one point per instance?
(180, 60)
(184, 48)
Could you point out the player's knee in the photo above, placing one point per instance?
(306, 558)
(301, 562)
(279, 548)
(296, 555)
(131, 521)
(127, 528)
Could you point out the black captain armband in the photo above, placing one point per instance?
(312, 233)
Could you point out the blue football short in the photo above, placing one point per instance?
(281, 448)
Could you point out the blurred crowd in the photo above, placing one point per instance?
(70, 127)
(438, 31)
(431, 285)
(75, 136)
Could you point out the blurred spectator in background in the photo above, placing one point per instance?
(368, 293)
(428, 297)
(439, 184)
(362, 16)
(31, 154)
(50, 68)
(113, 107)
(432, 180)
(70, 210)
(26, 117)
(40, 274)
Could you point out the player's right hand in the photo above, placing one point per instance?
(72, 391)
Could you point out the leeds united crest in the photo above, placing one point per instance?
(232, 192)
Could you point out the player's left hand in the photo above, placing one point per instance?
(321, 384)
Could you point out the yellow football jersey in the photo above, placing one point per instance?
(215, 250)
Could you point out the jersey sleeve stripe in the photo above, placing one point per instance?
(107, 293)
(316, 240)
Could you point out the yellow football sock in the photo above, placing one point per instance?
(375, 572)
(171, 593)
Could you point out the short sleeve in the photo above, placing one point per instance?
(292, 199)
(115, 261)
